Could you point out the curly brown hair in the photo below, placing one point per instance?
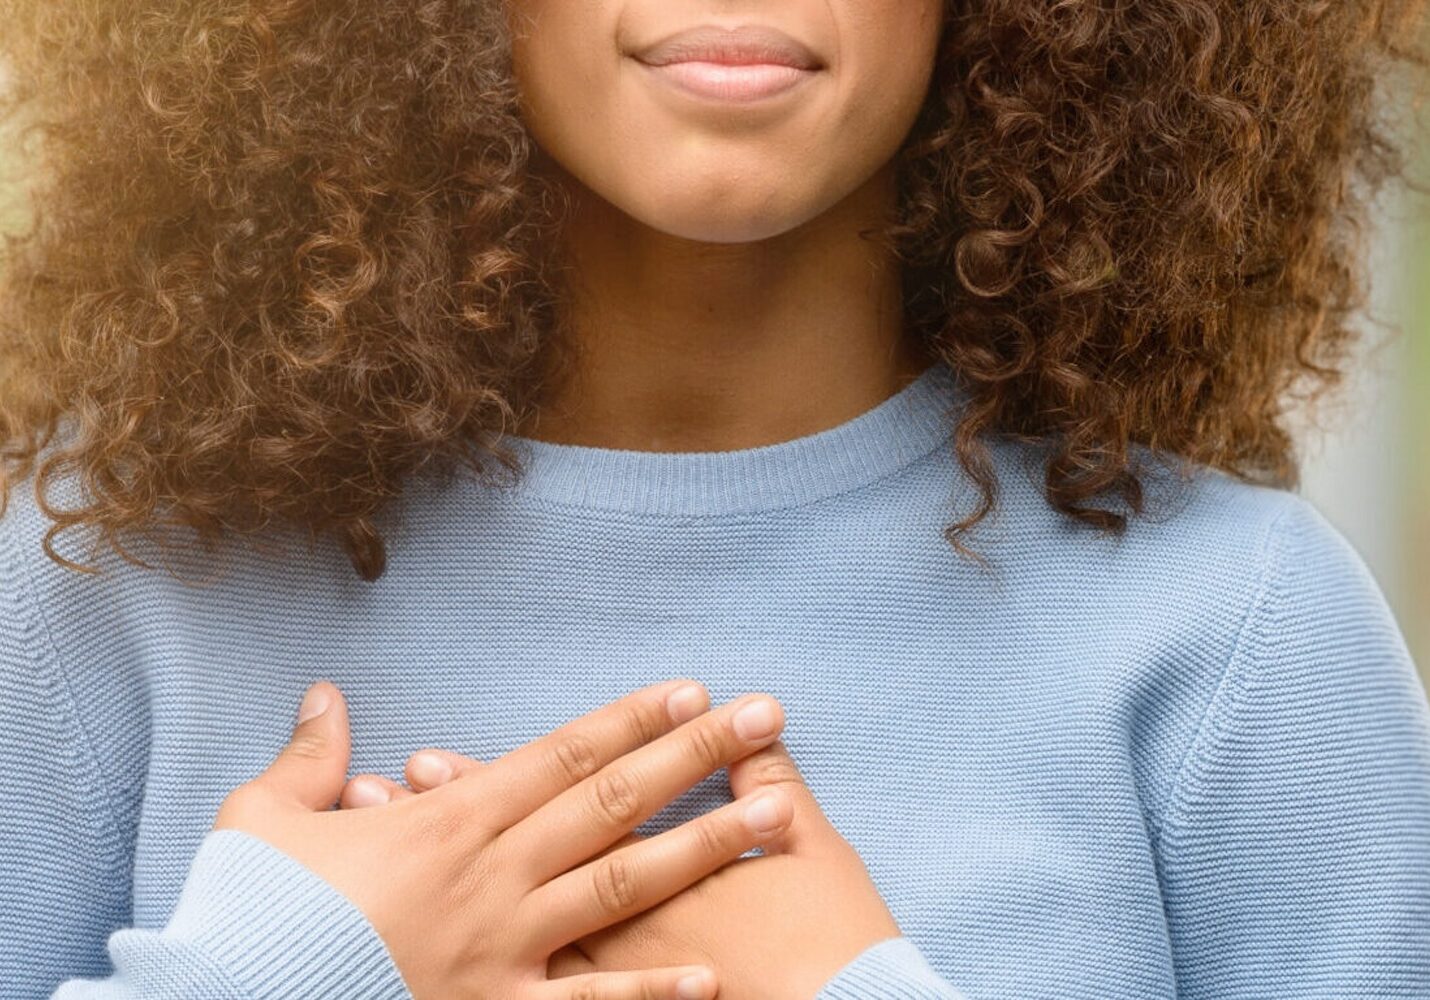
(284, 255)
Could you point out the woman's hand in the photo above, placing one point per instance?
(775, 926)
(476, 884)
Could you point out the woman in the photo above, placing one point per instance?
(876, 400)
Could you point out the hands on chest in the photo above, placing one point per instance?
(521, 877)
(775, 926)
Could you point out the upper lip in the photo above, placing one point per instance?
(746, 44)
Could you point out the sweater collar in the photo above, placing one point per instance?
(897, 432)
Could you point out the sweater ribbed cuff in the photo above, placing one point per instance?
(276, 929)
(894, 969)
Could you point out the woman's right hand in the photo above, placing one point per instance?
(474, 885)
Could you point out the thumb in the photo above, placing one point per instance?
(312, 768)
(772, 767)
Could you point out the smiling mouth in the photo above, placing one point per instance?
(744, 64)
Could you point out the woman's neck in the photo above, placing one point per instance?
(677, 345)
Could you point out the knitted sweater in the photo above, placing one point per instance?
(1191, 761)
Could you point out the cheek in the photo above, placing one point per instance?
(565, 63)
(888, 51)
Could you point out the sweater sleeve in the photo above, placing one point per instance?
(1294, 844)
(251, 922)
(892, 969)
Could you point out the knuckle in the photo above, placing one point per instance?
(575, 758)
(713, 838)
(614, 884)
(706, 745)
(616, 798)
(585, 991)
(774, 769)
(307, 745)
(642, 724)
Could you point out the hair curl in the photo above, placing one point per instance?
(284, 254)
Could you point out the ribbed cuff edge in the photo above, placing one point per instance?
(276, 928)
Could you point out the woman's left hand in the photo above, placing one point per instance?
(780, 925)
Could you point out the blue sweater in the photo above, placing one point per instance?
(1190, 762)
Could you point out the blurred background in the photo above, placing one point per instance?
(1367, 453)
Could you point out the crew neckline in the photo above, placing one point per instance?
(868, 447)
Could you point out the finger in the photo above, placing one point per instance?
(682, 982)
(517, 783)
(311, 768)
(773, 767)
(364, 790)
(587, 817)
(611, 803)
(626, 841)
(635, 878)
(431, 767)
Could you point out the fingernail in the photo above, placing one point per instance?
(763, 814)
(315, 703)
(691, 987)
(756, 720)
(368, 793)
(429, 769)
(685, 702)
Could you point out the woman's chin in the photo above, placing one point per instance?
(712, 222)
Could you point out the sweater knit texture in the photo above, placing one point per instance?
(1191, 761)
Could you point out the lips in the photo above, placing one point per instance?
(746, 45)
(722, 65)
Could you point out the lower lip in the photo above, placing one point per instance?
(728, 82)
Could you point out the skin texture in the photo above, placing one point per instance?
(476, 885)
(775, 926)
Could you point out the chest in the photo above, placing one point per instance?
(993, 824)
